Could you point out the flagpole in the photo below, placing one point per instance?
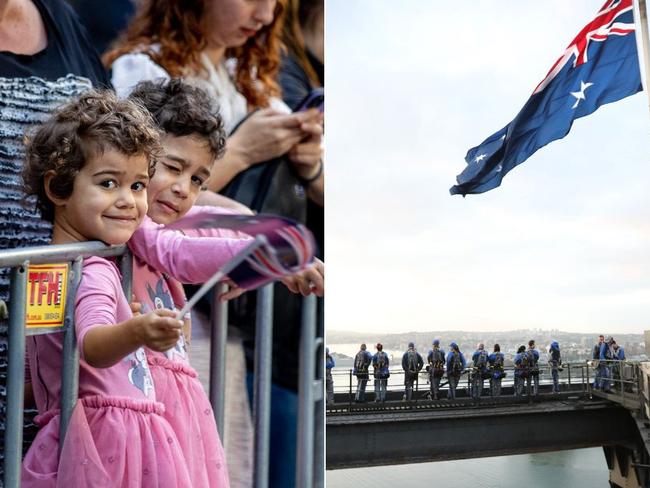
(645, 44)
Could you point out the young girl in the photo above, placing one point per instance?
(88, 167)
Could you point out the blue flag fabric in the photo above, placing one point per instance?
(600, 66)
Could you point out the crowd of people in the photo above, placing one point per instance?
(193, 98)
(484, 366)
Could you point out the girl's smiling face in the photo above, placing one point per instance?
(108, 200)
(181, 174)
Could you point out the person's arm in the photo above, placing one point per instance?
(264, 135)
(308, 161)
(105, 345)
(601, 354)
(102, 340)
(185, 258)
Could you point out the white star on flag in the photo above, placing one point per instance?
(479, 158)
(580, 95)
(499, 168)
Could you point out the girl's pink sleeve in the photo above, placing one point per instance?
(188, 259)
(211, 210)
(96, 299)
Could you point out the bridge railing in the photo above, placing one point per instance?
(310, 382)
(570, 376)
(621, 381)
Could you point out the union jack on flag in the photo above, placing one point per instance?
(283, 246)
(292, 249)
(600, 65)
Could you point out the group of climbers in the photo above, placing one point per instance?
(441, 365)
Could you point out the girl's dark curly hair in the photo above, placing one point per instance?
(181, 109)
(79, 130)
(170, 32)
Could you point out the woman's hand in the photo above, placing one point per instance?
(267, 134)
(307, 155)
(264, 135)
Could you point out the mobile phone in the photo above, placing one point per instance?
(314, 99)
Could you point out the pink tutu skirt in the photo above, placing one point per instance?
(111, 442)
(188, 411)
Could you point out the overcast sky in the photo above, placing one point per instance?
(563, 243)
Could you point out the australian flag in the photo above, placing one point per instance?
(599, 66)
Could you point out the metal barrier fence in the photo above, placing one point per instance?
(311, 371)
(624, 377)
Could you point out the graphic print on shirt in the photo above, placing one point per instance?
(139, 374)
(161, 298)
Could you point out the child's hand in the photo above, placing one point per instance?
(158, 330)
(233, 291)
(136, 306)
(309, 280)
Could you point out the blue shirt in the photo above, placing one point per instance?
(375, 361)
(329, 362)
(450, 355)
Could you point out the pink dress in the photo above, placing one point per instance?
(187, 407)
(118, 436)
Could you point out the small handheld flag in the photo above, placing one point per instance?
(279, 247)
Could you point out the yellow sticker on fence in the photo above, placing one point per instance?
(46, 289)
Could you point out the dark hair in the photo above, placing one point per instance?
(531, 343)
(379, 347)
(79, 130)
(497, 348)
(521, 349)
(181, 109)
(300, 14)
(171, 33)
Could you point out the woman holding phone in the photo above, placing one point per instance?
(230, 48)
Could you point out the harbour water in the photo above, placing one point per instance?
(580, 468)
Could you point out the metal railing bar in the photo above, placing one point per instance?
(57, 253)
(262, 385)
(126, 269)
(218, 340)
(306, 374)
(319, 417)
(70, 360)
(15, 376)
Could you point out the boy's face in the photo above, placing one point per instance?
(108, 199)
(181, 173)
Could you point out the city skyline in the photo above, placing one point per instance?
(562, 244)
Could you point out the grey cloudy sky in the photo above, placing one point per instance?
(563, 243)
